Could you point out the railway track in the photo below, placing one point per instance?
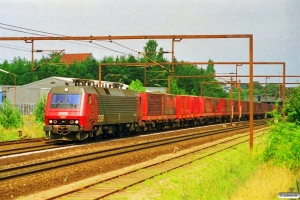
(21, 141)
(45, 146)
(28, 169)
(114, 184)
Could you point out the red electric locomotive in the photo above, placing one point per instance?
(79, 112)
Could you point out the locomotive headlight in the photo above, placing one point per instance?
(72, 122)
(76, 121)
(50, 121)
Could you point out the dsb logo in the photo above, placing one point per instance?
(63, 113)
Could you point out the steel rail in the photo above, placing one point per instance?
(8, 152)
(20, 141)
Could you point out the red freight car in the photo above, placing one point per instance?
(245, 110)
(158, 110)
(184, 109)
(210, 109)
(198, 107)
(151, 105)
(258, 109)
(223, 111)
(235, 108)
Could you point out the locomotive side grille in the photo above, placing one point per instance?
(116, 105)
(116, 109)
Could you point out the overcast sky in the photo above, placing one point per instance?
(275, 25)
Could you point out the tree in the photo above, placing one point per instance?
(258, 88)
(210, 70)
(136, 86)
(39, 110)
(292, 106)
(272, 89)
(175, 89)
(150, 50)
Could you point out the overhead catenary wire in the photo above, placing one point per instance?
(14, 47)
(98, 45)
(20, 31)
(30, 29)
(103, 47)
(49, 34)
(110, 48)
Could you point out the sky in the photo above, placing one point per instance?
(275, 25)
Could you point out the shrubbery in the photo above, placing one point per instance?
(292, 106)
(9, 116)
(283, 146)
(137, 86)
(39, 110)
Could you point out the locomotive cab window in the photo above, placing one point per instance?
(65, 101)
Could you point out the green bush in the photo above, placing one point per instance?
(283, 145)
(39, 110)
(9, 116)
(292, 106)
(137, 86)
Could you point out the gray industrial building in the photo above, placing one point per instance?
(32, 92)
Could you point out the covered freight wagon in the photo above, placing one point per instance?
(157, 106)
(157, 110)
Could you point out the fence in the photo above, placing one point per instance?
(25, 108)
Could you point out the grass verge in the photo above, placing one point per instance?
(31, 129)
(214, 177)
(267, 182)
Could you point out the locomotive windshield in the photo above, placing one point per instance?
(65, 101)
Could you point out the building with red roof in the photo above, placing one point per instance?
(76, 57)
